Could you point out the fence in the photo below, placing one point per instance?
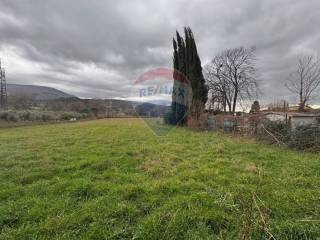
(280, 132)
(231, 124)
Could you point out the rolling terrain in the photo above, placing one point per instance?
(38, 93)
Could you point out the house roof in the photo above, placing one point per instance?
(293, 114)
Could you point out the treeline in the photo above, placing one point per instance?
(39, 116)
(24, 108)
(91, 107)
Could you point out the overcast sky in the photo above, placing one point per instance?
(98, 48)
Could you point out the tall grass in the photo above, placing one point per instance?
(114, 179)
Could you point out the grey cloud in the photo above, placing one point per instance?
(121, 39)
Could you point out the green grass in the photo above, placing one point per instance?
(114, 179)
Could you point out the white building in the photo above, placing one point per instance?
(293, 118)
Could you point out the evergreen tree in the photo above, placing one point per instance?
(178, 111)
(186, 61)
(172, 117)
(255, 107)
(194, 74)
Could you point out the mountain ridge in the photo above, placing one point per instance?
(36, 91)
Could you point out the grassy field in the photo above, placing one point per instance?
(114, 179)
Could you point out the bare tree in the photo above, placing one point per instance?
(218, 86)
(232, 76)
(305, 79)
(215, 101)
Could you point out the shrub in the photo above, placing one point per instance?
(275, 130)
(38, 116)
(305, 138)
(10, 116)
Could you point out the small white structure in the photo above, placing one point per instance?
(301, 119)
(295, 119)
(275, 116)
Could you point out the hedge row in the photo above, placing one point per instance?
(43, 116)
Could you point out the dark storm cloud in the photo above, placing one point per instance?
(97, 48)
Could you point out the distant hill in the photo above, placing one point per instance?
(29, 96)
(36, 92)
(152, 110)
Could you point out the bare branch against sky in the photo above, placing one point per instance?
(305, 80)
(97, 48)
(232, 75)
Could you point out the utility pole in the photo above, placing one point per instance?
(109, 109)
(3, 89)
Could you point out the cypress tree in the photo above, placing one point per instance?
(176, 116)
(181, 55)
(195, 75)
(171, 117)
(186, 61)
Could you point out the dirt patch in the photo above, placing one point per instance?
(252, 168)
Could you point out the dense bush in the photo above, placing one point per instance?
(40, 116)
(279, 130)
(305, 137)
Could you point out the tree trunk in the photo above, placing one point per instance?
(229, 106)
(235, 101)
(224, 104)
(302, 102)
(302, 105)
